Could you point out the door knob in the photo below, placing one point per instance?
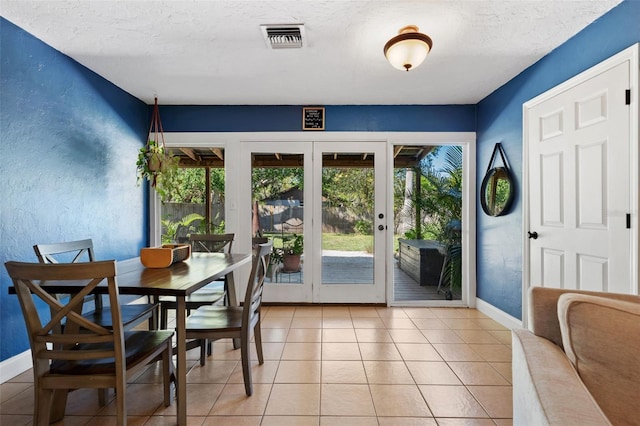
(380, 227)
(533, 235)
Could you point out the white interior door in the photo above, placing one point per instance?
(347, 276)
(579, 168)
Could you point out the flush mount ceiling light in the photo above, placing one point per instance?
(408, 49)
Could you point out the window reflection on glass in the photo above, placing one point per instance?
(188, 207)
(278, 213)
(497, 191)
(428, 222)
(347, 218)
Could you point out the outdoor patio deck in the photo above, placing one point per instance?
(357, 267)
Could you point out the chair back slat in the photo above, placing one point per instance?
(211, 243)
(47, 339)
(68, 252)
(71, 311)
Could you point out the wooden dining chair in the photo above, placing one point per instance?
(83, 353)
(82, 251)
(212, 293)
(220, 322)
(131, 314)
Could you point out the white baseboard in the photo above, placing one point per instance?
(497, 315)
(15, 366)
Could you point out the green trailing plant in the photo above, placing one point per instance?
(157, 166)
(450, 195)
(171, 228)
(453, 268)
(211, 228)
(364, 227)
(155, 163)
(411, 234)
(292, 251)
(293, 245)
(286, 245)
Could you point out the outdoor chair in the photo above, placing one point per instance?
(83, 353)
(220, 322)
(259, 240)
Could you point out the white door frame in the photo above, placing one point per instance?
(631, 54)
(468, 298)
(238, 186)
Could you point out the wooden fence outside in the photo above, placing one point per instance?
(273, 218)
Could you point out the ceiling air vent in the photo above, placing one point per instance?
(289, 36)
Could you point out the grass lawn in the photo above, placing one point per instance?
(347, 242)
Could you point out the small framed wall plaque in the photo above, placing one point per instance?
(313, 118)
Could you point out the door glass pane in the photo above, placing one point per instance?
(278, 211)
(347, 218)
(428, 223)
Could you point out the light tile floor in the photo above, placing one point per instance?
(327, 365)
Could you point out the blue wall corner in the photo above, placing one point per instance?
(69, 142)
(500, 239)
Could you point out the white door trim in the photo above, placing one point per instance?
(631, 55)
(237, 182)
(468, 228)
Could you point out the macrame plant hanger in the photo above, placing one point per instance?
(156, 129)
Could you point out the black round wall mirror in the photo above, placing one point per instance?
(497, 191)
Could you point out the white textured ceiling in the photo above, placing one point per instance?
(212, 51)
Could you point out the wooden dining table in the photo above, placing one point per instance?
(178, 280)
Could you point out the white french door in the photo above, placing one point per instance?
(283, 217)
(320, 281)
(307, 206)
(343, 275)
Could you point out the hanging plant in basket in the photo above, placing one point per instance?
(155, 163)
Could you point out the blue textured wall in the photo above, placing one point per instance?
(69, 143)
(68, 147)
(285, 118)
(500, 239)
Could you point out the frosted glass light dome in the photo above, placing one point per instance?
(408, 49)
